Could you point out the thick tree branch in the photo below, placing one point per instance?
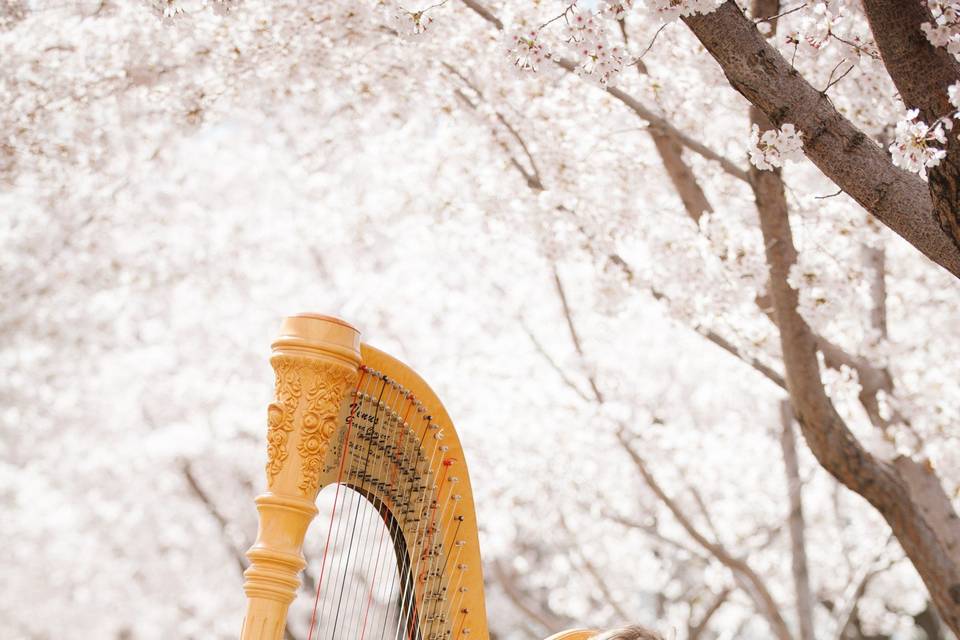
(876, 261)
(685, 183)
(533, 180)
(922, 74)
(926, 537)
(695, 203)
(920, 71)
(843, 152)
(872, 379)
(929, 621)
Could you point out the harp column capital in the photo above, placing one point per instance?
(316, 361)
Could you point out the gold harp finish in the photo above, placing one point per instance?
(318, 361)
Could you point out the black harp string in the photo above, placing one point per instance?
(411, 478)
(356, 508)
(348, 443)
(396, 451)
(409, 620)
(363, 538)
(375, 515)
(409, 453)
(433, 569)
(432, 539)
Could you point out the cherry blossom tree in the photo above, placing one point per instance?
(657, 235)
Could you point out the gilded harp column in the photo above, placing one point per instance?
(316, 361)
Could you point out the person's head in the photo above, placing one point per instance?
(633, 632)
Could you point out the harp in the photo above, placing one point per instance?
(352, 420)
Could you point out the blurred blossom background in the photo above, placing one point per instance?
(592, 307)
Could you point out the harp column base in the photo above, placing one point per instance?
(273, 578)
(263, 622)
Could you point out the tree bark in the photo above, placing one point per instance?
(844, 153)
(922, 73)
(922, 519)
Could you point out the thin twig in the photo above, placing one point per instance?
(701, 626)
(574, 336)
(742, 571)
(841, 77)
(634, 105)
(780, 15)
(830, 195)
(553, 363)
(562, 15)
(652, 41)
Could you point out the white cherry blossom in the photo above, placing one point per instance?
(775, 146)
(916, 146)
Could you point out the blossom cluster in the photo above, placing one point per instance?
(169, 10)
(526, 51)
(944, 31)
(408, 24)
(915, 146)
(586, 35)
(668, 10)
(616, 9)
(775, 146)
(828, 25)
(815, 28)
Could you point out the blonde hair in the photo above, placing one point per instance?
(633, 632)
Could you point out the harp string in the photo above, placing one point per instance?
(363, 538)
(350, 530)
(351, 433)
(410, 478)
(399, 523)
(434, 568)
(407, 447)
(423, 546)
(373, 519)
(381, 512)
(457, 595)
(424, 538)
(429, 547)
(436, 564)
(326, 546)
(406, 603)
(397, 454)
(386, 469)
(355, 499)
